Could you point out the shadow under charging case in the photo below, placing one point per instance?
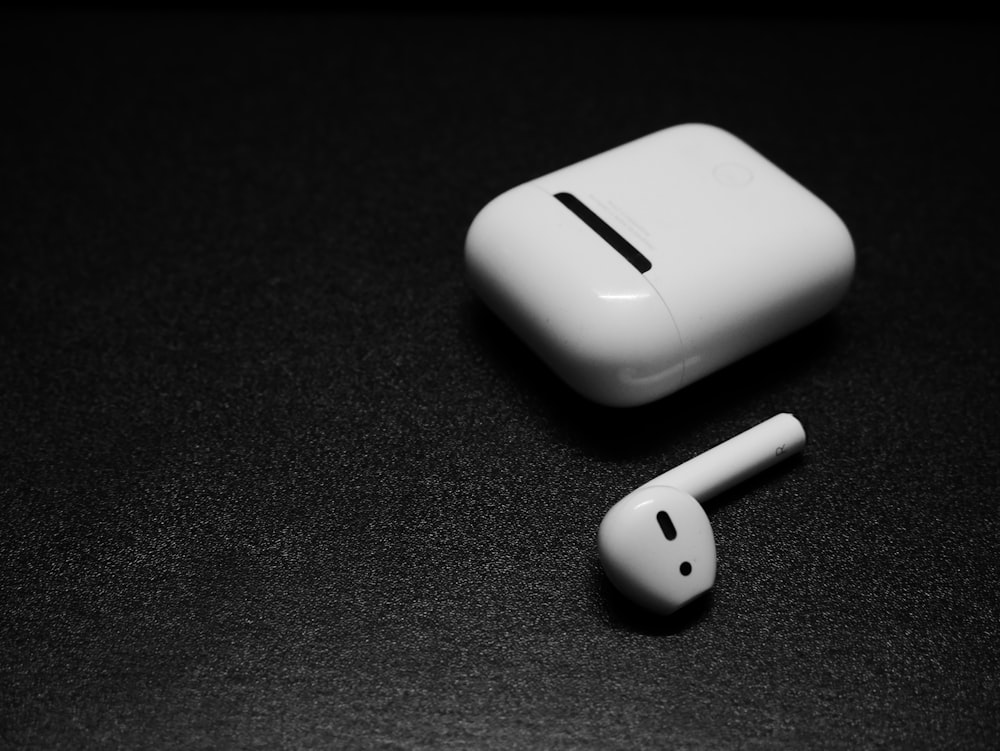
(642, 269)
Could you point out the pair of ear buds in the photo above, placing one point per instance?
(656, 544)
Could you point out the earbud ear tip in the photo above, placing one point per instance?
(657, 548)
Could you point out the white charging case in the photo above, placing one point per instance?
(642, 269)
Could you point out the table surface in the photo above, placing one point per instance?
(271, 476)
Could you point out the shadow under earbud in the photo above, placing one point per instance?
(766, 477)
(622, 613)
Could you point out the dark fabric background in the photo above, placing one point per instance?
(271, 476)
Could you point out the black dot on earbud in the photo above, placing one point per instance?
(685, 568)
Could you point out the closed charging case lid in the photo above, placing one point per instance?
(644, 268)
(590, 316)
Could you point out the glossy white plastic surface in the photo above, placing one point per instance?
(645, 566)
(741, 255)
(663, 572)
(739, 458)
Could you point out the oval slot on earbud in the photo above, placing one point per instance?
(666, 525)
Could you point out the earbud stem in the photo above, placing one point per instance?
(737, 459)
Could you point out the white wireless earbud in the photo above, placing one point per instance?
(656, 544)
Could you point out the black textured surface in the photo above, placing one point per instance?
(272, 478)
